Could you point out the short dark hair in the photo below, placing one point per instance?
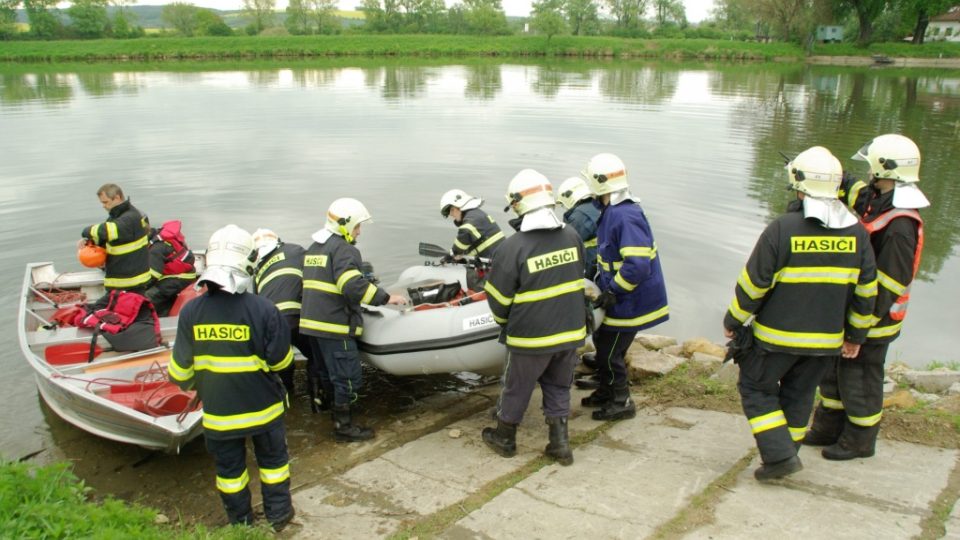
(112, 191)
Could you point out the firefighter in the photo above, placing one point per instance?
(809, 288)
(478, 235)
(633, 292)
(171, 266)
(847, 420)
(581, 214)
(535, 291)
(278, 277)
(229, 345)
(333, 289)
(125, 236)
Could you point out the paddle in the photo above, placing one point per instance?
(432, 250)
(70, 353)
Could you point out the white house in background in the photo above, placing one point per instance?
(944, 27)
(829, 34)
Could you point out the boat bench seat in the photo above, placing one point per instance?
(72, 334)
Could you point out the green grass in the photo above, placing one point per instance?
(952, 365)
(50, 502)
(242, 47)
(933, 49)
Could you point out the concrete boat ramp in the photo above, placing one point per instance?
(673, 473)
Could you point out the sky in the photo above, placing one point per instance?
(697, 10)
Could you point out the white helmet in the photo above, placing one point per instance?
(815, 172)
(459, 199)
(605, 173)
(344, 215)
(265, 241)
(892, 156)
(529, 190)
(572, 191)
(229, 259)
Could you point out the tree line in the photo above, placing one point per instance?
(787, 20)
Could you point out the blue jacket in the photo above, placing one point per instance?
(630, 267)
(583, 218)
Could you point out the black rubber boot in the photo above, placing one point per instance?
(559, 446)
(620, 407)
(855, 442)
(826, 428)
(589, 382)
(774, 471)
(589, 360)
(598, 398)
(344, 428)
(281, 523)
(502, 439)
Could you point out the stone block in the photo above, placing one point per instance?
(644, 363)
(654, 342)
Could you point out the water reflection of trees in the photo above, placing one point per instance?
(639, 85)
(52, 89)
(484, 81)
(551, 78)
(791, 111)
(397, 82)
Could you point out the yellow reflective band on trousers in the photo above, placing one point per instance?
(497, 295)
(368, 296)
(275, 476)
(759, 424)
(229, 364)
(489, 242)
(884, 331)
(289, 305)
(624, 284)
(865, 421)
(738, 312)
(317, 285)
(829, 403)
(178, 372)
(797, 433)
(332, 328)
(548, 341)
(126, 283)
(244, 420)
(817, 274)
(891, 284)
(233, 485)
(129, 247)
(296, 272)
(637, 321)
(549, 292)
(345, 277)
(801, 340)
(753, 291)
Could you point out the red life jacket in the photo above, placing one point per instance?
(175, 263)
(121, 311)
(899, 308)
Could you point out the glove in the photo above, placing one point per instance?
(605, 301)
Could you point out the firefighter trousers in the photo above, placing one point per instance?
(611, 356)
(554, 372)
(777, 392)
(855, 385)
(341, 371)
(230, 460)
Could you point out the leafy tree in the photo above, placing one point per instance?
(866, 11)
(209, 23)
(181, 16)
(670, 10)
(581, 16)
(733, 14)
(790, 19)
(8, 18)
(43, 23)
(324, 14)
(432, 14)
(457, 19)
(298, 17)
(629, 14)
(485, 17)
(381, 16)
(547, 17)
(88, 18)
(920, 11)
(261, 11)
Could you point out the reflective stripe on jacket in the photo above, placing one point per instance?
(809, 287)
(333, 289)
(227, 345)
(535, 291)
(125, 236)
(897, 238)
(279, 278)
(630, 267)
(477, 234)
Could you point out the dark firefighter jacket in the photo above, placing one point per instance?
(477, 234)
(125, 236)
(630, 268)
(167, 263)
(809, 287)
(535, 291)
(897, 248)
(333, 289)
(279, 278)
(227, 346)
(583, 218)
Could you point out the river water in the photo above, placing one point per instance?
(271, 145)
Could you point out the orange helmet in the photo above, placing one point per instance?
(92, 256)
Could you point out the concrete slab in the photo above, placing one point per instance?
(624, 484)
(953, 524)
(328, 512)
